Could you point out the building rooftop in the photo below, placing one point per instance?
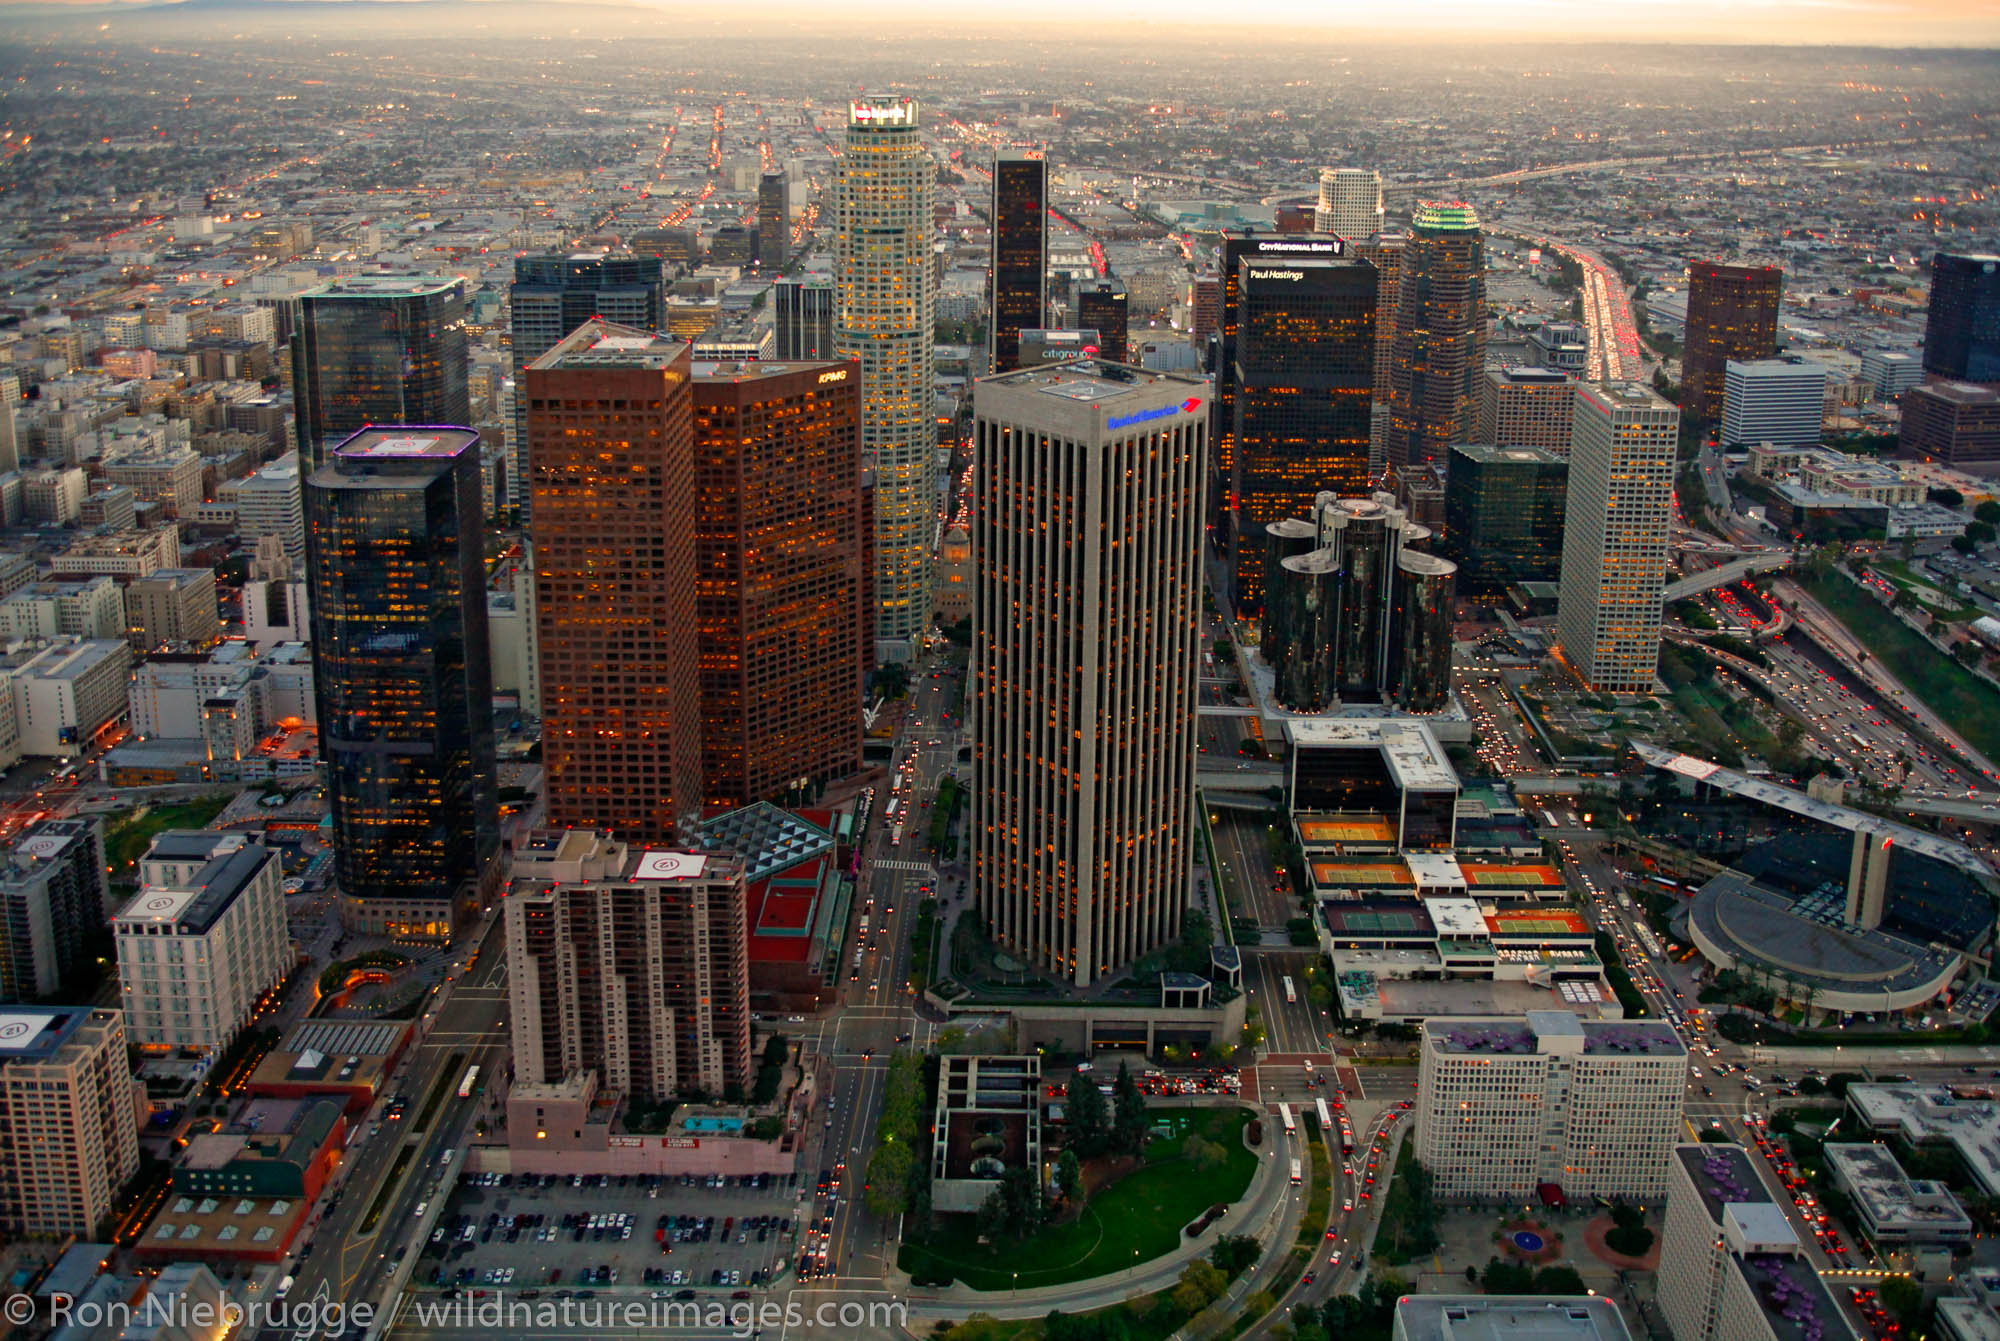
(195, 908)
(1487, 454)
(1724, 1176)
(766, 838)
(607, 344)
(1893, 1201)
(405, 441)
(1450, 216)
(36, 1033)
(1541, 1031)
(1093, 380)
(1528, 375)
(386, 286)
(1921, 1113)
(1478, 1317)
(1415, 760)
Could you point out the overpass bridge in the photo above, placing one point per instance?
(1247, 776)
(1723, 574)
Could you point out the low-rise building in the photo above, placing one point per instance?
(988, 1120)
(1894, 1210)
(1479, 1317)
(346, 1060)
(93, 608)
(66, 691)
(165, 473)
(172, 607)
(122, 554)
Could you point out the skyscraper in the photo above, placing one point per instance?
(1962, 336)
(1020, 271)
(884, 318)
(1732, 313)
(1440, 351)
(401, 676)
(1781, 401)
(1526, 407)
(780, 599)
(612, 521)
(636, 966)
(1503, 515)
(69, 1132)
(1304, 379)
(377, 349)
(1385, 253)
(1101, 306)
(1350, 203)
(552, 296)
(774, 220)
(52, 906)
(1617, 517)
(804, 325)
(1086, 639)
(1269, 247)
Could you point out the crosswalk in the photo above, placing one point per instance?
(891, 864)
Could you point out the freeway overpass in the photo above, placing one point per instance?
(1723, 574)
(1247, 776)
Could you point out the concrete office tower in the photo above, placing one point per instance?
(1781, 401)
(1617, 516)
(1019, 275)
(1962, 334)
(1732, 1267)
(780, 594)
(52, 906)
(1102, 306)
(377, 349)
(1732, 313)
(1506, 1105)
(551, 296)
(1221, 352)
(1503, 515)
(69, 1126)
(612, 524)
(1526, 407)
(774, 220)
(1350, 203)
(1304, 376)
(1085, 650)
(884, 318)
(631, 963)
(203, 939)
(804, 319)
(402, 677)
(1440, 350)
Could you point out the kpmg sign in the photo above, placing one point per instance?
(1188, 406)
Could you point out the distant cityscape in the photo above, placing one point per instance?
(682, 686)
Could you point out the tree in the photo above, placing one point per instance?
(888, 1181)
(1980, 533)
(1069, 1176)
(1988, 512)
(1201, 1284)
(1558, 1280)
(1200, 1153)
(1962, 544)
(1089, 1118)
(1233, 1253)
(1904, 1298)
(1128, 1122)
(1015, 1208)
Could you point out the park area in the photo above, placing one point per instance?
(128, 833)
(1131, 1218)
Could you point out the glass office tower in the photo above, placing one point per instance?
(377, 349)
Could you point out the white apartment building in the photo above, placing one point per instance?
(203, 939)
(168, 697)
(55, 497)
(69, 1121)
(1729, 1247)
(1619, 513)
(270, 503)
(90, 609)
(1781, 401)
(1507, 1105)
(126, 554)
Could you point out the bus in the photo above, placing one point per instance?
(1860, 741)
(1325, 1116)
(1291, 993)
(864, 928)
(466, 1086)
(896, 835)
(1285, 1116)
(1298, 1174)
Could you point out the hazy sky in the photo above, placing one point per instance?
(1812, 22)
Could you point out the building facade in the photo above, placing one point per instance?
(780, 591)
(377, 349)
(1018, 279)
(804, 319)
(638, 970)
(885, 319)
(1503, 511)
(613, 527)
(1781, 401)
(1962, 332)
(1350, 203)
(1617, 518)
(402, 681)
(1526, 407)
(1956, 423)
(1305, 383)
(774, 220)
(1507, 1107)
(69, 1125)
(1732, 313)
(1440, 350)
(202, 941)
(52, 906)
(173, 607)
(1103, 306)
(1086, 641)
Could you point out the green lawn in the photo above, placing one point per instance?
(1962, 699)
(1951, 609)
(128, 833)
(1136, 1219)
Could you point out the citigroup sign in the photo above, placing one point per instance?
(1188, 406)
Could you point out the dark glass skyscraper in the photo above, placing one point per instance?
(1503, 515)
(377, 349)
(552, 296)
(774, 220)
(1732, 313)
(1304, 378)
(1101, 306)
(1962, 338)
(1020, 272)
(402, 678)
(1440, 350)
(804, 311)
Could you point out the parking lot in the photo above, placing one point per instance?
(554, 1234)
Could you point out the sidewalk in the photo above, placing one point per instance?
(1266, 1198)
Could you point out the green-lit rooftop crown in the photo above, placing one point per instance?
(1445, 216)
